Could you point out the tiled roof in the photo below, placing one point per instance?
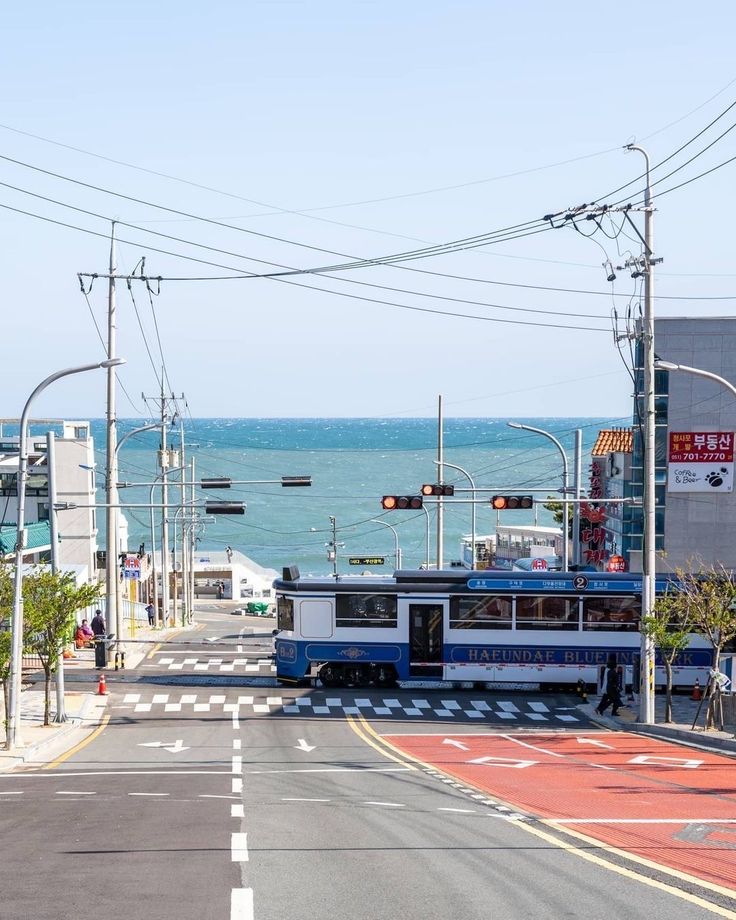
(613, 439)
(38, 536)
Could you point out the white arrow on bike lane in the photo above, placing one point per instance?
(457, 744)
(597, 743)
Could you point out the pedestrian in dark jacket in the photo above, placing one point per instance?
(612, 694)
(98, 624)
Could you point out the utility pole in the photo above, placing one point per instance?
(192, 549)
(440, 506)
(112, 613)
(577, 485)
(649, 556)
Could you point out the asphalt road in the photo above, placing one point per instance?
(214, 793)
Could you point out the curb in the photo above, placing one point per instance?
(686, 736)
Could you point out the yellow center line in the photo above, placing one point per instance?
(78, 747)
(366, 732)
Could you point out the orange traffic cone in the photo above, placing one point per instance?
(696, 694)
(102, 686)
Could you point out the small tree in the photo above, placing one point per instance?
(6, 605)
(669, 629)
(50, 601)
(709, 596)
(5, 672)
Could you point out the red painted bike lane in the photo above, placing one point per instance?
(671, 805)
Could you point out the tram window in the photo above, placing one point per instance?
(488, 612)
(285, 613)
(621, 614)
(365, 611)
(546, 613)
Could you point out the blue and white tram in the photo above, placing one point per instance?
(545, 628)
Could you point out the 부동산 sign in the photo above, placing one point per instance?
(700, 461)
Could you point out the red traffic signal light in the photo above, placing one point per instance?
(437, 489)
(401, 502)
(512, 502)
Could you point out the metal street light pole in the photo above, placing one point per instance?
(467, 475)
(16, 641)
(113, 558)
(565, 488)
(397, 548)
(426, 552)
(669, 366)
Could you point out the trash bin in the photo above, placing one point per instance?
(102, 650)
(258, 608)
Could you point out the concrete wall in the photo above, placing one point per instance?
(699, 523)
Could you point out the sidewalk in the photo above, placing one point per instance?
(84, 710)
(684, 711)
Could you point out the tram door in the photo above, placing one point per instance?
(425, 639)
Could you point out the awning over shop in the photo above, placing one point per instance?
(38, 537)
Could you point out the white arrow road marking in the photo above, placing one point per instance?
(174, 747)
(211, 639)
(303, 746)
(661, 761)
(596, 743)
(457, 744)
(503, 762)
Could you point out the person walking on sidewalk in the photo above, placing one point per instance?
(98, 624)
(612, 695)
(151, 614)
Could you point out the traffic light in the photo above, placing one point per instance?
(437, 489)
(512, 502)
(224, 508)
(401, 502)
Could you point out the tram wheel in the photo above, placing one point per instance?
(330, 675)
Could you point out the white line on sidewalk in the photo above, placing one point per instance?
(239, 847)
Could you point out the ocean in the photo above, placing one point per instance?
(353, 462)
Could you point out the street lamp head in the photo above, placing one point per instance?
(666, 365)
(112, 362)
(514, 424)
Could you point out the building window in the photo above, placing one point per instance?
(80, 432)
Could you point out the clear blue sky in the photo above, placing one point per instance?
(360, 128)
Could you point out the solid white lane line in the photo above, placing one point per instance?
(387, 804)
(237, 744)
(239, 847)
(332, 770)
(65, 792)
(237, 764)
(237, 784)
(643, 820)
(241, 904)
(149, 794)
(237, 810)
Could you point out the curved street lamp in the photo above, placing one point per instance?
(669, 366)
(467, 475)
(565, 487)
(397, 548)
(16, 641)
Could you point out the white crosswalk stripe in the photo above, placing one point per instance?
(454, 710)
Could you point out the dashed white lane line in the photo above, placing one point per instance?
(459, 811)
(387, 804)
(305, 800)
(237, 784)
(241, 904)
(15, 792)
(237, 764)
(239, 847)
(237, 810)
(150, 794)
(74, 792)
(237, 744)
(236, 721)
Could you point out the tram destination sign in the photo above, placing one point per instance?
(569, 585)
(366, 560)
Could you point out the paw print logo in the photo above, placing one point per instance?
(715, 478)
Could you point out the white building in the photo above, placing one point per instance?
(74, 480)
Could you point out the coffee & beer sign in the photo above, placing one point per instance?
(700, 461)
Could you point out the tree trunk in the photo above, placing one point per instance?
(47, 693)
(668, 690)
